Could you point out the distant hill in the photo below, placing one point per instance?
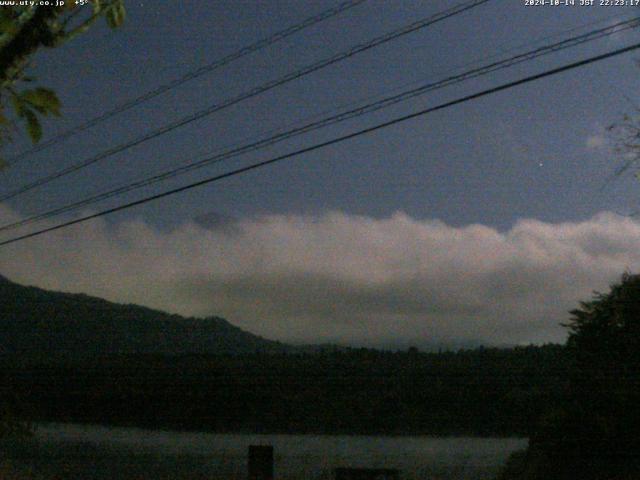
(39, 322)
(154, 370)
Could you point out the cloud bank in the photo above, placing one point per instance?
(344, 278)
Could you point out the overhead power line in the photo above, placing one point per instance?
(318, 146)
(456, 10)
(343, 116)
(145, 97)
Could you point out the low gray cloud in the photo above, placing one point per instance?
(341, 277)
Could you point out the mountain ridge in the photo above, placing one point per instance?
(38, 321)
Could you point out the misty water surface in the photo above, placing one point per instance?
(92, 452)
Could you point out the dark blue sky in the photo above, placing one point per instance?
(524, 153)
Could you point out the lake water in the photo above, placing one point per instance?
(90, 452)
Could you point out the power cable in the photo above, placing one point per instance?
(145, 97)
(456, 10)
(353, 113)
(333, 141)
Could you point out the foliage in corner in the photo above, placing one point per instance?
(29, 103)
(23, 31)
(594, 432)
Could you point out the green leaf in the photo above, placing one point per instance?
(122, 12)
(110, 19)
(33, 125)
(43, 100)
(116, 14)
(18, 105)
(8, 26)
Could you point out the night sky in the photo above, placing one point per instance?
(481, 223)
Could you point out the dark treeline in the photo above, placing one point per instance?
(477, 392)
(69, 357)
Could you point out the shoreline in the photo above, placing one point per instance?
(165, 430)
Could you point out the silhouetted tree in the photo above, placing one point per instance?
(605, 379)
(594, 433)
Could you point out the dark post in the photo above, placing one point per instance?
(260, 462)
(366, 474)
